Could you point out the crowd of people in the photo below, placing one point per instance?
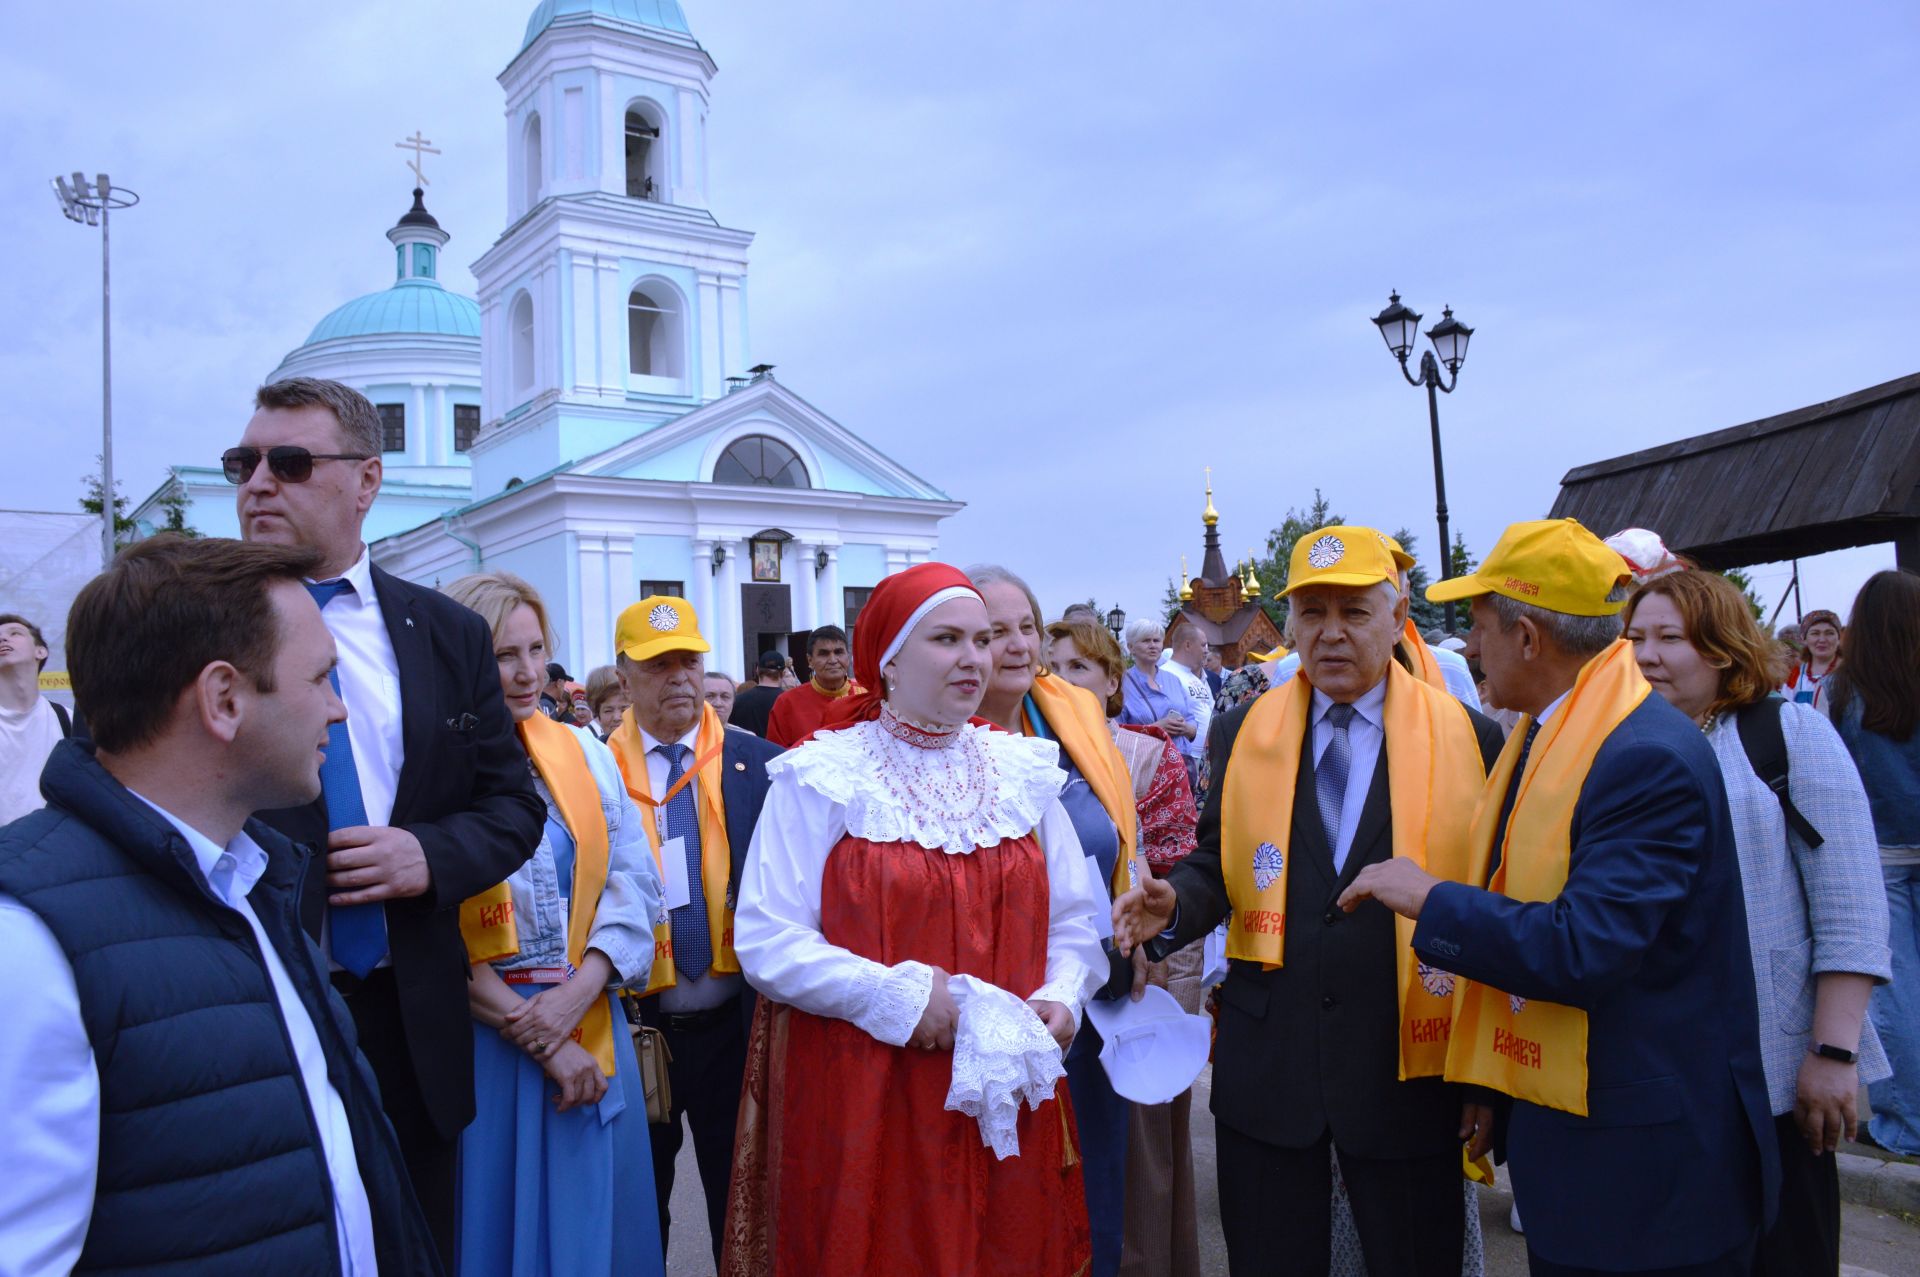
(350, 934)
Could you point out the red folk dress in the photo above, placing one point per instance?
(848, 1161)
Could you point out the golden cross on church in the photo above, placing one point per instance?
(420, 147)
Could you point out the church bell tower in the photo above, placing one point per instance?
(614, 301)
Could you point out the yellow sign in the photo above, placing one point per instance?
(55, 681)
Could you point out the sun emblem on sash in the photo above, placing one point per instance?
(1516, 1003)
(1267, 864)
(1435, 981)
(1326, 552)
(663, 618)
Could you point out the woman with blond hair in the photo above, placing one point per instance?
(556, 1171)
(1816, 910)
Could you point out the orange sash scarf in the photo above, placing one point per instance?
(486, 920)
(1079, 724)
(1537, 1051)
(1425, 664)
(716, 857)
(1433, 776)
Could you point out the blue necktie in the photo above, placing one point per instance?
(359, 932)
(692, 939)
(1512, 796)
(1330, 776)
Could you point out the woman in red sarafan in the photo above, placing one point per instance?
(904, 843)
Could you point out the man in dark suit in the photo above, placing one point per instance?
(753, 708)
(426, 798)
(1309, 1055)
(695, 994)
(1643, 949)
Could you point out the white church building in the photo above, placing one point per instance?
(595, 422)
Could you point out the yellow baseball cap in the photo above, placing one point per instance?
(1340, 555)
(657, 625)
(1551, 563)
(1401, 559)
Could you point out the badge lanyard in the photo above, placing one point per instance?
(686, 778)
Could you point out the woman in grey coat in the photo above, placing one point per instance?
(1816, 916)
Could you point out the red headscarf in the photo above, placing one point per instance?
(891, 612)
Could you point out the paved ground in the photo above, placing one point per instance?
(1873, 1244)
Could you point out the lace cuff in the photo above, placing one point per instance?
(1064, 989)
(887, 1002)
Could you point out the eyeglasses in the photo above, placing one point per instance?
(288, 464)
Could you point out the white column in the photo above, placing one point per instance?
(832, 611)
(686, 150)
(805, 591)
(440, 441)
(595, 640)
(418, 430)
(727, 612)
(898, 559)
(610, 328)
(612, 151)
(713, 351)
(700, 591)
(619, 581)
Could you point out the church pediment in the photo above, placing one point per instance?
(762, 433)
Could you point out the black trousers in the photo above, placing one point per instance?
(1276, 1207)
(433, 1163)
(1805, 1239)
(708, 1051)
(1737, 1262)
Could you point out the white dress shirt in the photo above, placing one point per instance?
(1365, 732)
(1454, 671)
(707, 991)
(50, 1123)
(370, 685)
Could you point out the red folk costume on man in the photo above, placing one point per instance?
(801, 711)
(847, 1160)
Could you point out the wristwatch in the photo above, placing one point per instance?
(1841, 1054)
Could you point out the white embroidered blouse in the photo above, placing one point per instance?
(957, 794)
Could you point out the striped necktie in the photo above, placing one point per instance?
(358, 933)
(692, 938)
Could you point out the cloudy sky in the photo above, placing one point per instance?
(1055, 256)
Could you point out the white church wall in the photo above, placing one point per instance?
(662, 558)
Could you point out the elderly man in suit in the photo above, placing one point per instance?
(701, 786)
(1605, 982)
(425, 795)
(1331, 1036)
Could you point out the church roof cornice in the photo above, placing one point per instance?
(598, 222)
(563, 30)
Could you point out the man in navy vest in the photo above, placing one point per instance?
(426, 798)
(183, 1092)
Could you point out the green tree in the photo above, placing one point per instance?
(92, 503)
(1744, 584)
(1426, 616)
(175, 505)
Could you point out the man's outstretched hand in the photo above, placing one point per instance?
(1399, 884)
(1142, 913)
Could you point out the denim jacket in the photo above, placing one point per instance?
(630, 904)
(1890, 769)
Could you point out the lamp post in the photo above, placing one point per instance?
(1116, 621)
(1400, 326)
(91, 205)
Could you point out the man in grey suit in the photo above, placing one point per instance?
(1309, 1052)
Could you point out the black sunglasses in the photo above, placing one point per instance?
(288, 464)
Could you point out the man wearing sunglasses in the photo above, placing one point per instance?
(425, 795)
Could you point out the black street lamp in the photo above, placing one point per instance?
(1116, 621)
(1398, 326)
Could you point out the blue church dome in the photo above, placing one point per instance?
(410, 306)
(664, 15)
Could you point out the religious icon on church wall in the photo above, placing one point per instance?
(766, 560)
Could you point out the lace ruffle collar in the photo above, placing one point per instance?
(987, 786)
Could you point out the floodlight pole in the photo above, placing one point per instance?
(106, 388)
(81, 204)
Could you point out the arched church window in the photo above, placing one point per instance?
(761, 460)
(646, 154)
(655, 339)
(535, 166)
(521, 322)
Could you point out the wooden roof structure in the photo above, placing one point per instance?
(1824, 477)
